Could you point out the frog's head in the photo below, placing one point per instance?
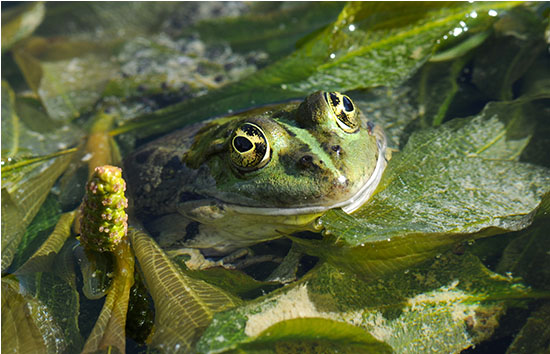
(289, 159)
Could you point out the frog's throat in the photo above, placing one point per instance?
(349, 206)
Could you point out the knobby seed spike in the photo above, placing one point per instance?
(103, 219)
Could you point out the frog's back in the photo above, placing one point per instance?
(155, 171)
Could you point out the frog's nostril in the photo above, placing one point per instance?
(337, 149)
(306, 161)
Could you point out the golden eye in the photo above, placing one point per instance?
(249, 148)
(344, 110)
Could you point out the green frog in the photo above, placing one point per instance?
(232, 182)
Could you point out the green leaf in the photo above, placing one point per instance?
(68, 76)
(184, 306)
(527, 256)
(438, 87)
(534, 337)
(386, 46)
(24, 190)
(319, 335)
(504, 59)
(19, 22)
(39, 315)
(10, 122)
(233, 281)
(450, 184)
(43, 258)
(274, 31)
(444, 306)
(109, 332)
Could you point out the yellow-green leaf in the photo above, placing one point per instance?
(23, 192)
(19, 22)
(42, 259)
(109, 330)
(184, 306)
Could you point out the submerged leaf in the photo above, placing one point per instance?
(528, 256)
(43, 258)
(23, 192)
(39, 315)
(446, 186)
(69, 77)
(19, 22)
(184, 306)
(109, 330)
(10, 123)
(445, 306)
(370, 44)
(319, 335)
(534, 337)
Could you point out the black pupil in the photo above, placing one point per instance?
(348, 106)
(242, 144)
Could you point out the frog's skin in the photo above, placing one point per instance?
(235, 181)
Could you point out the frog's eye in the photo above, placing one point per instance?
(344, 110)
(249, 148)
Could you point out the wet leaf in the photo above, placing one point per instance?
(444, 306)
(39, 315)
(276, 31)
(534, 337)
(109, 330)
(450, 184)
(23, 192)
(38, 231)
(184, 306)
(43, 258)
(528, 256)
(19, 22)
(504, 59)
(10, 122)
(72, 81)
(316, 334)
(438, 87)
(336, 59)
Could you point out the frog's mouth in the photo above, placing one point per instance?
(349, 205)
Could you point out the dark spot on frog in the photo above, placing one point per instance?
(173, 164)
(337, 149)
(306, 161)
(189, 196)
(143, 156)
(191, 230)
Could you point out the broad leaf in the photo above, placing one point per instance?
(109, 329)
(436, 306)
(39, 315)
(447, 185)
(43, 258)
(10, 123)
(276, 31)
(385, 46)
(527, 256)
(38, 231)
(184, 306)
(534, 337)
(320, 334)
(23, 192)
(19, 22)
